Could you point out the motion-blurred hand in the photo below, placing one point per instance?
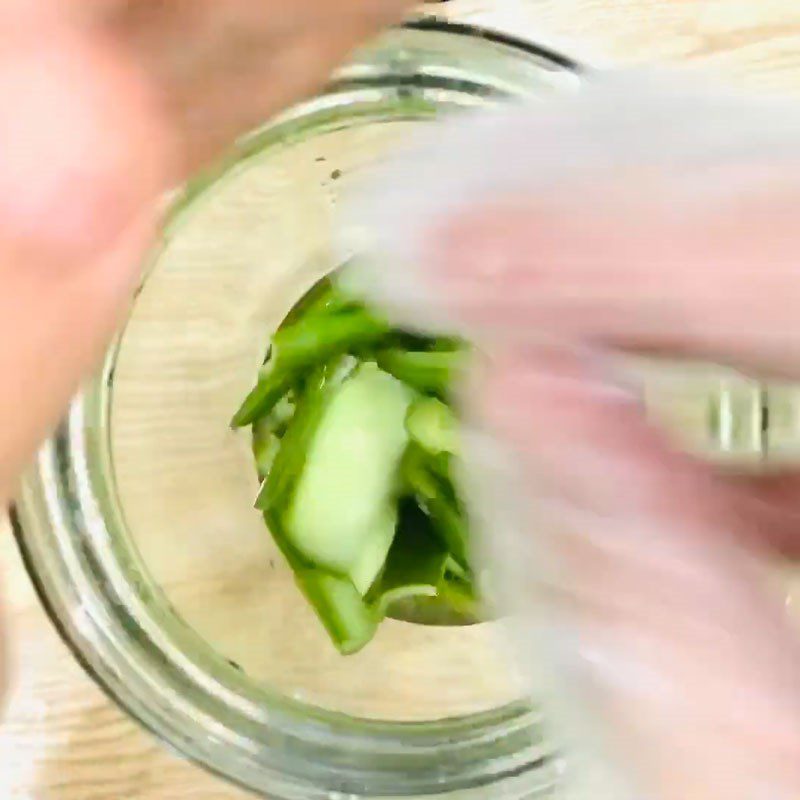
(105, 104)
(632, 218)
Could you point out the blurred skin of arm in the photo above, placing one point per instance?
(106, 104)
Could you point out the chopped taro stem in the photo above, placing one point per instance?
(415, 564)
(265, 448)
(353, 436)
(299, 348)
(349, 621)
(429, 372)
(433, 426)
(424, 475)
(289, 460)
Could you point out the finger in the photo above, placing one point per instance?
(222, 68)
(81, 162)
(663, 625)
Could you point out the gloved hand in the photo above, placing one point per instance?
(637, 217)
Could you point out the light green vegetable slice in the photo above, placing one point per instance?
(433, 426)
(340, 516)
(456, 570)
(372, 557)
(349, 621)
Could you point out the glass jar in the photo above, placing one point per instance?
(137, 521)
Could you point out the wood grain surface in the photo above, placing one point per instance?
(61, 739)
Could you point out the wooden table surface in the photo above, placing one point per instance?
(61, 739)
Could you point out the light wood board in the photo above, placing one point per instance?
(61, 739)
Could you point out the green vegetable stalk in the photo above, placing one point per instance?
(354, 436)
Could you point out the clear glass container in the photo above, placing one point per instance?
(137, 520)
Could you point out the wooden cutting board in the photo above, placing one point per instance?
(61, 739)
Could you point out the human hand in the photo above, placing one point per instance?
(106, 104)
(633, 219)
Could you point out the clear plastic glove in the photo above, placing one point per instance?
(637, 216)
(107, 103)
